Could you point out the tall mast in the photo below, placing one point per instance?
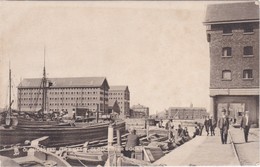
(10, 89)
(44, 91)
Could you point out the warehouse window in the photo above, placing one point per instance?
(226, 75)
(226, 52)
(227, 30)
(248, 74)
(248, 28)
(248, 51)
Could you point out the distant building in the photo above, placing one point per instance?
(233, 37)
(186, 113)
(139, 111)
(65, 94)
(122, 95)
(113, 108)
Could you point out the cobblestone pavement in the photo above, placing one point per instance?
(248, 153)
(201, 151)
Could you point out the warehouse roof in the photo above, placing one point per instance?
(119, 87)
(65, 82)
(187, 108)
(138, 106)
(232, 12)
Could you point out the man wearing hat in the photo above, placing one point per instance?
(245, 124)
(223, 125)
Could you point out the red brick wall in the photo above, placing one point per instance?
(237, 63)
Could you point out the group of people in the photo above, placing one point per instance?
(177, 134)
(223, 125)
(209, 124)
(183, 134)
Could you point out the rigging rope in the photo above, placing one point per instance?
(37, 98)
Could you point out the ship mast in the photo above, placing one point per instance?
(9, 112)
(10, 89)
(44, 90)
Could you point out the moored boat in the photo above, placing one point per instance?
(18, 129)
(59, 136)
(30, 156)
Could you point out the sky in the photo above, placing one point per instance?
(159, 49)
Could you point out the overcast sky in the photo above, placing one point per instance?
(158, 49)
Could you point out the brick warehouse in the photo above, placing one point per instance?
(122, 95)
(233, 37)
(186, 113)
(65, 94)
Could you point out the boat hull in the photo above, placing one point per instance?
(58, 136)
(36, 157)
(23, 122)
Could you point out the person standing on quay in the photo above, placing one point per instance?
(212, 126)
(223, 125)
(200, 126)
(207, 124)
(169, 125)
(245, 124)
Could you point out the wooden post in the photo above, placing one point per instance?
(110, 135)
(118, 134)
(119, 160)
(139, 153)
(110, 148)
(147, 129)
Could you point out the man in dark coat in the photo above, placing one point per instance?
(132, 141)
(197, 132)
(207, 125)
(212, 126)
(223, 125)
(200, 126)
(180, 131)
(245, 124)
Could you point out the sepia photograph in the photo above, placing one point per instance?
(129, 83)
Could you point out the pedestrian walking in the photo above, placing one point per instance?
(212, 126)
(245, 124)
(207, 124)
(223, 125)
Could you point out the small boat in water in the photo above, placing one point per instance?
(30, 156)
(86, 158)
